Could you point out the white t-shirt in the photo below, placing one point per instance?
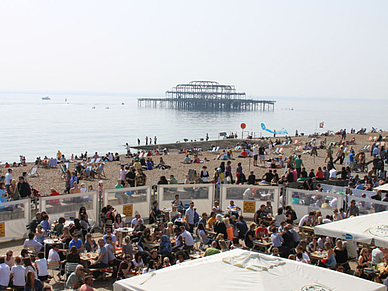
(333, 173)
(33, 243)
(305, 259)
(377, 256)
(53, 256)
(188, 238)
(303, 220)
(4, 274)
(19, 275)
(8, 179)
(30, 268)
(42, 267)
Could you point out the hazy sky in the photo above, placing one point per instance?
(266, 48)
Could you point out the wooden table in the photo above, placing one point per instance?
(262, 245)
(125, 229)
(318, 255)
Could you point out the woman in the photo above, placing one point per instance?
(341, 255)
(162, 180)
(365, 258)
(66, 236)
(73, 256)
(239, 174)
(279, 217)
(127, 247)
(250, 235)
(219, 226)
(68, 185)
(90, 244)
(174, 214)
(118, 224)
(170, 229)
(329, 261)
(144, 239)
(202, 234)
(40, 234)
(14, 191)
(151, 267)
(29, 267)
(83, 215)
(229, 229)
(165, 246)
(138, 261)
(33, 284)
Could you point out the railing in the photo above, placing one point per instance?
(14, 216)
(129, 201)
(68, 205)
(250, 197)
(201, 194)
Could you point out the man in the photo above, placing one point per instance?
(130, 177)
(307, 220)
(134, 220)
(123, 174)
(277, 240)
(108, 233)
(128, 149)
(75, 188)
(138, 230)
(267, 177)
(5, 274)
(333, 173)
(186, 239)
(203, 219)
(54, 256)
(45, 223)
(299, 165)
(233, 209)
(18, 274)
(110, 251)
(212, 250)
(305, 256)
(179, 204)
(352, 210)
(377, 256)
(101, 259)
(31, 242)
(77, 243)
(242, 227)
(24, 188)
(190, 217)
(8, 180)
(34, 223)
(216, 208)
(173, 180)
(255, 154)
(76, 278)
(262, 155)
(88, 284)
(260, 214)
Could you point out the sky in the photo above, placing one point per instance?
(331, 48)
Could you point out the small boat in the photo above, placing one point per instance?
(106, 107)
(122, 103)
(46, 98)
(94, 107)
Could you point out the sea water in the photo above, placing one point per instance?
(74, 123)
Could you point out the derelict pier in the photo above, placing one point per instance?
(207, 95)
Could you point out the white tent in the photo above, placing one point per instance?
(244, 270)
(370, 229)
(383, 187)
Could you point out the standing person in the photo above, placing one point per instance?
(123, 174)
(23, 188)
(190, 217)
(138, 141)
(155, 139)
(8, 181)
(141, 178)
(128, 149)
(67, 181)
(5, 274)
(204, 175)
(255, 154)
(239, 174)
(262, 155)
(340, 155)
(146, 140)
(298, 165)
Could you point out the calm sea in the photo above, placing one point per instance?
(34, 127)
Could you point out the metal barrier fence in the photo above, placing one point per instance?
(249, 197)
(129, 201)
(14, 216)
(201, 194)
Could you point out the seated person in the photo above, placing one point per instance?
(32, 242)
(233, 209)
(187, 160)
(156, 213)
(77, 243)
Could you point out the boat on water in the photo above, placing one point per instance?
(46, 98)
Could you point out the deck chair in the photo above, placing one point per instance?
(54, 267)
(34, 171)
(88, 172)
(100, 170)
(97, 161)
(70, 268)
(276, 151)
(280, 151)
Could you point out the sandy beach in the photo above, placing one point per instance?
(51, 177)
